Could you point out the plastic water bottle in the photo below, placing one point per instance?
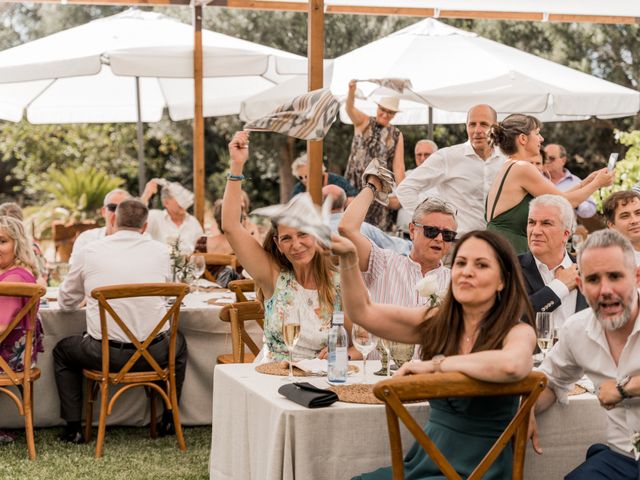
(338, 344)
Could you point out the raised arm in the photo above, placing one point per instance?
(422, 178)
(400, 324)
(511, 363)
(150, 190)
(250, 254)
(398, 160)
(358, 118)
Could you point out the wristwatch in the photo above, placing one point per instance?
(437, 363)
(620, 386)
(372, 187)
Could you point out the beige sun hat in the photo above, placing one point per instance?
(390, 103)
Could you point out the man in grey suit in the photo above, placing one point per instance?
(549, 271)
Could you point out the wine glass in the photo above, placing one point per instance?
(401, 352)
(196, 266)
(291, 334)
(544, 327)
(386, 346)
(365, 343)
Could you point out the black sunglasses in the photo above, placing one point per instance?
(111, 207)
(433, 232)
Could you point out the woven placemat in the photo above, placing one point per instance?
(282, 369)
(577, 390)
(356, 393)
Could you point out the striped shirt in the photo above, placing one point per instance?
(391, 278)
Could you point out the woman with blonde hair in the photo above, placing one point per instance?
(518, 180)
(290, 270)
(17, 264)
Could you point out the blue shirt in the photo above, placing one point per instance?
(377, 236)
(333, 179)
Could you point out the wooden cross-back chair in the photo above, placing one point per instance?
(237, 314)
(24, 379)
(424, 387)
(217, 259)
(101, 379)
(240, 287)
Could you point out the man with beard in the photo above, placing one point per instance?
(602, 342)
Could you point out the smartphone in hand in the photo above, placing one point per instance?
(613, 158)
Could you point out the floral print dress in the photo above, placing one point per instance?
(291, 298)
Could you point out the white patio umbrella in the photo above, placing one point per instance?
(129, 67)
(451, 70)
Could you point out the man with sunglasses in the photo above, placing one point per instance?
(108, 212)
(390, 277)
(462, 173)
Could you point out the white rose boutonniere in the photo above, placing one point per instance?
(428, 287)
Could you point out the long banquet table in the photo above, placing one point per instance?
(259, 434)
(206, 335)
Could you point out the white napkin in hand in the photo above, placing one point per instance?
(386, 178)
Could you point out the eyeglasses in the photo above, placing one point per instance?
(391, 113)
(302, 178)
(433, 232)
(111, 207)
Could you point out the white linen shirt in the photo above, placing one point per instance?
(391, 278)
(124, 257)
(462, 178)
(583, 350)
(162, 228)
(567, 298)
(84, 238)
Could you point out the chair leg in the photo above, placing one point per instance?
(88, 410)
(176, 415)
(27, 401)
(102, 422)
(154, 417)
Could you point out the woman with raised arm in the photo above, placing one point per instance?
(290, 270)
(374, 138)
(483, 328)
(519, 181)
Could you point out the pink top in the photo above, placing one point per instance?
(9, 306)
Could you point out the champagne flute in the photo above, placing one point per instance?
(386, 345)
(544, 327)
(365, 343)
(197, 265)
(291, 334)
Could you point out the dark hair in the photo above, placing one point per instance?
(505, 132)
(131, 213)
(616, 199)
(441, 333)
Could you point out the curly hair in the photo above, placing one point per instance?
(504, 133)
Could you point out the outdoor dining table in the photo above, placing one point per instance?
(259, 434)
(207, 337)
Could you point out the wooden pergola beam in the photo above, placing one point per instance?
(299, 6)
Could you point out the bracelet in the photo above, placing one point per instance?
(371, 186)
(235, 178)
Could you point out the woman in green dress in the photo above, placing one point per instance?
(519, 181)
(483, 328)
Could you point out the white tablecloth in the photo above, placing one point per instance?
(206, 335)
(258, 434)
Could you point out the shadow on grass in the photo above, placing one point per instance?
(128, 454)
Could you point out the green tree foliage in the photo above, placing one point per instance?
(627, 170)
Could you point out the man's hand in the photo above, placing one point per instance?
(375, 181)
(533, 433)
(567, 276)
(239, 149)
(608, 394)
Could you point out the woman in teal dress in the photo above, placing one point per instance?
(482, 328)
(519, 181)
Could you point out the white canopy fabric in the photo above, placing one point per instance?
(451, 70)
(87, 73)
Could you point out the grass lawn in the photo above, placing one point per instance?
(128, 454)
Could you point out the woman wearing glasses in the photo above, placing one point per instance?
(295, 278)
(375, 138)
(483, 328)
(507, 207)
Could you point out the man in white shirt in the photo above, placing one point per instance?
(563, 179)
(622, 211)
(390, 277)
(174, 221)
(108, 210)
(126, 256)
(462, 173)
(549, 272)
(602, 342)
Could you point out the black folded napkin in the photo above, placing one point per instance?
(305, 394)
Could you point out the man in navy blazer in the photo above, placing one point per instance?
(549, 271)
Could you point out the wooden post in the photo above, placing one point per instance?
(315, 57)
(198, 120)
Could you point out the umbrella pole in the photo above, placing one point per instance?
(430, 126)
(315, 56)
(141, 171)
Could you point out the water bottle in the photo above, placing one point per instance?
(338, 344)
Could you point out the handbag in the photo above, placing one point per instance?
(305, 394)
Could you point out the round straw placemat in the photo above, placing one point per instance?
(356, 393)
(282, 369)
